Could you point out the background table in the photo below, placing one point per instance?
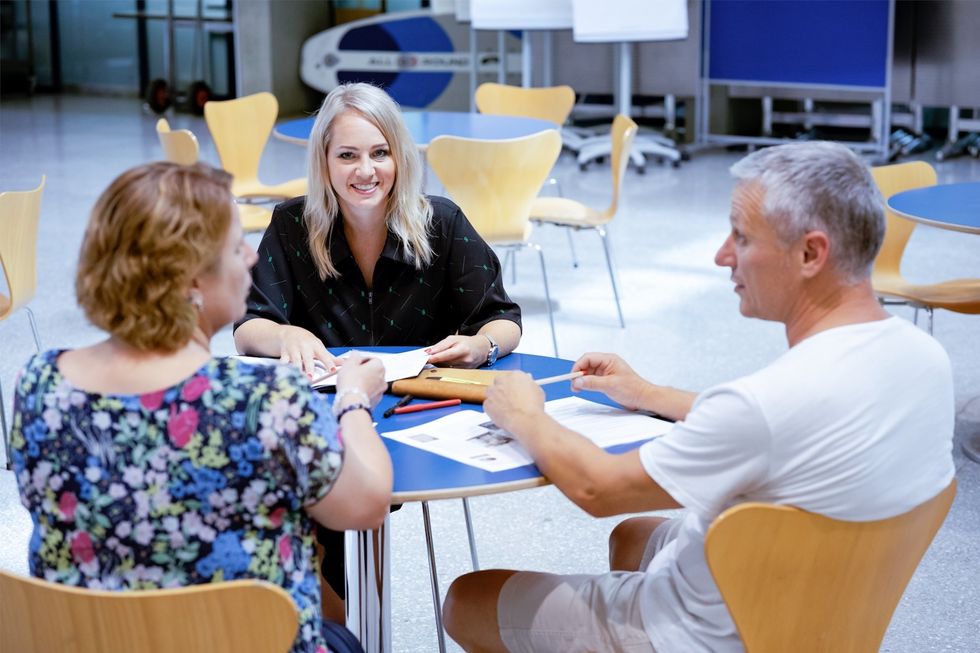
(427, 125)
(423, 476)
(947, 206)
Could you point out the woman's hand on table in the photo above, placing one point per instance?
(460, 351)
(514, 402)
(299, 347)
(360, 372)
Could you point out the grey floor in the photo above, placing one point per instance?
(682, 328)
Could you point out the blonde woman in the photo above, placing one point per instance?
(367, 259)
(146, 462)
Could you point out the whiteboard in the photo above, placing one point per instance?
(609, 21)
(521, 14)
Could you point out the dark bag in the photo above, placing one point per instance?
(339, 639)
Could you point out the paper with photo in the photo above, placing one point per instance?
(470, 437)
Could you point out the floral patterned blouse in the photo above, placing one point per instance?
(201, 482)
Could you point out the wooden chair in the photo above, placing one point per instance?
(551, 103)
(572, 215)
(20, 212)
(958, 295)
(178, 146)
(797, 581)
(240, 128)
(242, 616)
(495, 183)
(181, 147)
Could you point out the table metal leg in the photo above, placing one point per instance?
(367, 564)
(433, 577)
(470, 534)
(971, 447)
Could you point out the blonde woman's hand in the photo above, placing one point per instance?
(460, 351)
(299, 347)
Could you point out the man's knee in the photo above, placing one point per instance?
(469, 613)
(454, 606)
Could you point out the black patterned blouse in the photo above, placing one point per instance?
(460, 290)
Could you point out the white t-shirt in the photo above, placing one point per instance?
(855, 422)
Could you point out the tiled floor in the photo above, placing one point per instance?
(682, 328)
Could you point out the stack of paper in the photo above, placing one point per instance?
(403, 365)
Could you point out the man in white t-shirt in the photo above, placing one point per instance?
(854, 421)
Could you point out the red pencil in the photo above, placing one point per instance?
(414, 408)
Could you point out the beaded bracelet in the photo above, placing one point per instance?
(350, 408)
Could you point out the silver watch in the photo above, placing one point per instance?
(494, 351)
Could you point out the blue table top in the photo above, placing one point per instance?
(947, 206)
(426, 125)
(420, 475)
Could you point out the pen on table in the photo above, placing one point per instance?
(561, 377)
(453, 379)
(429, 406)
(401, 402)
(324, 377)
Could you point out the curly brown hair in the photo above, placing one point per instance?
(154, 229)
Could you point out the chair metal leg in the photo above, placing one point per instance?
(571, 246)
(929, 313)
(433, 577)
(612, 274)
(547, 298)
(915, 316)
(367, 563)
(470, 534)
(37, 338)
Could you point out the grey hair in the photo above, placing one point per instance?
(825, 187)
(408, 211)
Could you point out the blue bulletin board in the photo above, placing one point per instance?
(839, 43)
(801, 44)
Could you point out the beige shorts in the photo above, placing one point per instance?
(580, 613)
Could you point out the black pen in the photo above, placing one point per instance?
(401, 402)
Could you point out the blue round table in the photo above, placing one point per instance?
(427, 125)
(947, 206)
(423, 476)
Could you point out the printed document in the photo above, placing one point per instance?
(471, 437)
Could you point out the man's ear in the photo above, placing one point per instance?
(815, 251)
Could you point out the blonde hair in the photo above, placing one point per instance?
(155, 228)
(408, 212)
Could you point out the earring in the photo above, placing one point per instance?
(196, 299)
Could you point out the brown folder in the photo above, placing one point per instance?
(447, 383)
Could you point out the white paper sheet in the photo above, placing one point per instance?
(402, 365)
(470, 437)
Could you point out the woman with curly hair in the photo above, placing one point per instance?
(145, 461)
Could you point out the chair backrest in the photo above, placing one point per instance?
(797, 581)
(890, 180)
(553, 103)
(240, 129)
(623, 131)
(20, 212)
(242, 616)
(178, 146)
(494, 182)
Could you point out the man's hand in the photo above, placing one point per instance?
(460, 351)
(515, 402)
(610, 375)
(301, 348)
